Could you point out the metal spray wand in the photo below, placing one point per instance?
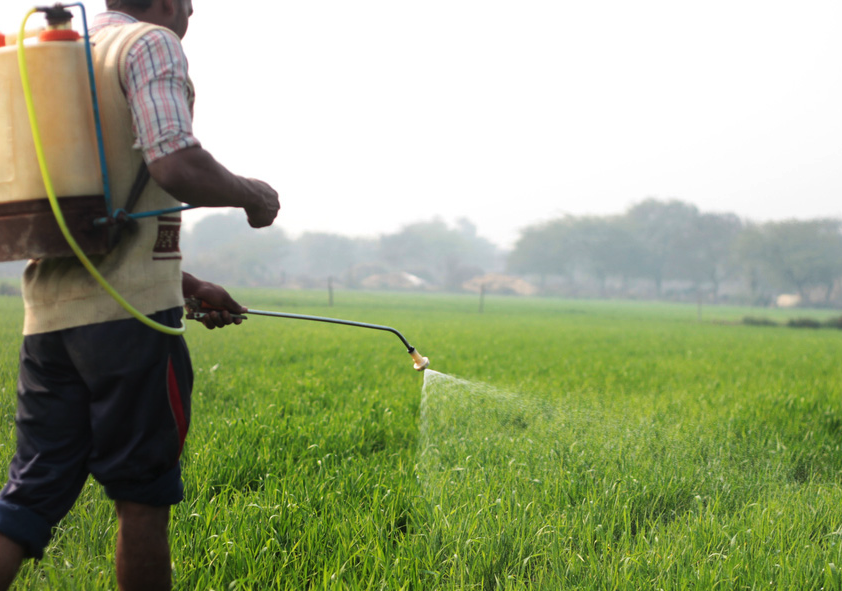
(197, 309)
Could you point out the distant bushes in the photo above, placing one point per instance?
(755, 321)
(9, 289)
(795, 322)
(834, 323)
(804, 323)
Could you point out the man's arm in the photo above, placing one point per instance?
(159, 94)
(193, 176)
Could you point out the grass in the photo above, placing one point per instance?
(586, 445)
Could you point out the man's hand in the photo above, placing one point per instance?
(215, 296)
(266, 205)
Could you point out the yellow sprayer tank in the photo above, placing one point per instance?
(63, 107)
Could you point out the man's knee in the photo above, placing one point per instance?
(26, 527)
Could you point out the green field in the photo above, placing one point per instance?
(586, 445)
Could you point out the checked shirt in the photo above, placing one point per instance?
(158, 90)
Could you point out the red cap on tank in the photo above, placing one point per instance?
(2, 40)
(59, 35)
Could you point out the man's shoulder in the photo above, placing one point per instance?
(156, 36)
(142, 43)
(110, 18)
(118, 24)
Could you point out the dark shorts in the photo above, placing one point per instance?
(111, 400)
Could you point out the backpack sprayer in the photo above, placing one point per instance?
(63, 134)
(33, 224)
(53, 150)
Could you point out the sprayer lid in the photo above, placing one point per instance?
(59, 35)
(2, 40)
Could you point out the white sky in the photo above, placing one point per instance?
(370, 114)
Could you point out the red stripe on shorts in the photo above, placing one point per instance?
(175, 404)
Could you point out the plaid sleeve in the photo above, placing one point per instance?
(160, 96)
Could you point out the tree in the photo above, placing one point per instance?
(749, 254)
(710, 245)
(799, 255)
(654, 240)
(603, 247)
(542, 250)
(325, 255)
(438, 253)
(666, 233)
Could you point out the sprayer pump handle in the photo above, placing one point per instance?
(198, 309)
(56, 15)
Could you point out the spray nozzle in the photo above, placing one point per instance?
(421, 363)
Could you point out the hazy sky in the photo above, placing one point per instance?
(370, 114)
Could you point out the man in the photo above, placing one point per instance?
(100, 393)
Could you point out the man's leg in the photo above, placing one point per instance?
(11, 555)
(143, 551)
(48, 469)
(140, 413)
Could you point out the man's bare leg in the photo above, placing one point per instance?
(11, 555)
(143, 550)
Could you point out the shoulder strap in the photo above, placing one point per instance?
(122, 220)
(137, 187)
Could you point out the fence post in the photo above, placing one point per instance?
(330, 292)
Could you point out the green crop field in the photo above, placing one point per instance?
(559, 445)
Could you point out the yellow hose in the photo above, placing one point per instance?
(51, 195)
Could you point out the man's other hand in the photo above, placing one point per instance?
(265, 209)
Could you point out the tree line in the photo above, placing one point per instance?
(657, 248)
(223, 248)
(661, 242)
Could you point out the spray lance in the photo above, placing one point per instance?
(197, 310)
